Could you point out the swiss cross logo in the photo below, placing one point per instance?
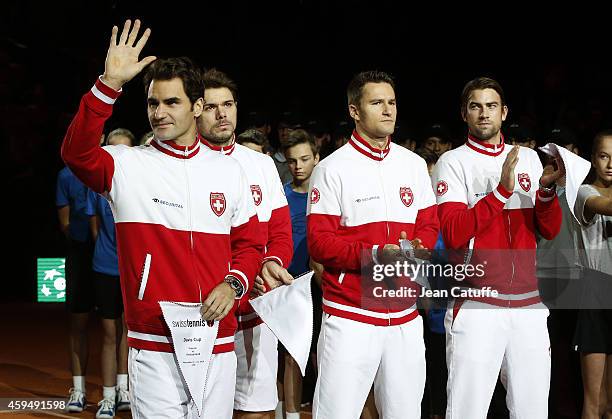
(217, 203)
(315, 195)
(524, 181)
(441, 188)
(257, 195)
(406, 196)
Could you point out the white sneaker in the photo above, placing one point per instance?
(123, 399)
(77, 402)
(106, 409)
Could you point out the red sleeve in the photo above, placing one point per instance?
(548, 214)
(328, 249)
(81, 146)
(247, 251)
(459, 224)
(280, 241)
(427, 226)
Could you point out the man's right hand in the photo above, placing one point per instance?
(122, 63)
(507, 174)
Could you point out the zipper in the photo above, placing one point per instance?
(382, 184)
(190, 221)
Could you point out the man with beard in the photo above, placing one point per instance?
(489, 206)
(256, 346)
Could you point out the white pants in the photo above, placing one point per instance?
(484, 342)
(257, 353)
(353, 355)
(157, 389)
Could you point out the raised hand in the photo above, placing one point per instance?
(507, 175)
(550, 175)
(122, 62)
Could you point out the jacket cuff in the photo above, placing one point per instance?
(242, 278)
(502, 194)
(274, 258)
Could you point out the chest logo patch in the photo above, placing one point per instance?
(315, 195)
(524, 181)
(257, 195)
(441, 188)
(217, 203)
(406, 196)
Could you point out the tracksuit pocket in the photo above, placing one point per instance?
(144, 276)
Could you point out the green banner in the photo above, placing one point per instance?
(51, 275)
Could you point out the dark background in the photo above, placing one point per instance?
(290, 55)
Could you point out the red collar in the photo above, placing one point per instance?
(179, 151)
(366, 149)
(227, 150)
(485, 148)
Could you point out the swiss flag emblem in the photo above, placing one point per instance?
(315, 195)
(406, 196)
(257, 195)
(217, 203)
(524, 181)
(441, 188)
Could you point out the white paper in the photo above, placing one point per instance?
(193, 340)
(287, 311)
(576, 170)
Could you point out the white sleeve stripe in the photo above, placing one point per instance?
(97, 93)
(499, 196)
(280, 261)
(241, 276)
(374, 251)
(545, 199)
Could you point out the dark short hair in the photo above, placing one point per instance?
(599, 137)
(177, 67)
(216, 79)
(480, 83)
(300, 136)
(121, 131)
(354, 91)
(252, 136)
(429, 156)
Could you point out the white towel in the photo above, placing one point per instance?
(287, 311)
(576, 169)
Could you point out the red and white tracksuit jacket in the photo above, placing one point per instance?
(477, 213)
(184, 220)
(361, 198)
(272, 212)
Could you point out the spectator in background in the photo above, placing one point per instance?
(340, 136)
(146, 138)
(593, 335)
(253, 139)
(563, 136)
(320, 133)
(287, 123)
(519, 134)
(259, 121)
(434, 399)
(437, 139)
(558, 272)
(71, 201)
(404, 136)
(429, 156)
(302, 156)
(108, 300)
